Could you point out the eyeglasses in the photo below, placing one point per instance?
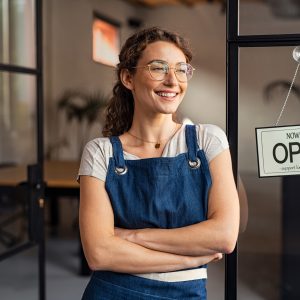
(159, 69)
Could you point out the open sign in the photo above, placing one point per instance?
(278, 150)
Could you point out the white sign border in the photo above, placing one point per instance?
(258, 156)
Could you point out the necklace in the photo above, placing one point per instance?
(158, 142)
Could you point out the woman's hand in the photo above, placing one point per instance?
(197, 261)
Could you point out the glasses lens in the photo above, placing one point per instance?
(184, 72)
(158, 70)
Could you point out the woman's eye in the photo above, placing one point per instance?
(157, 69)
(183, 71)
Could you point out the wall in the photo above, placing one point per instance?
(68, 61)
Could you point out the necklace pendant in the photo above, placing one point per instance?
(157, 145)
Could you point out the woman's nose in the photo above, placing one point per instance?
(170, 77)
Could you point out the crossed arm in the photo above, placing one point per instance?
(159, 250)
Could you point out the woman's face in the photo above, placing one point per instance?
(158, 96)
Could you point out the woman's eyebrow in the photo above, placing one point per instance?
(158, 60)
(164, 62)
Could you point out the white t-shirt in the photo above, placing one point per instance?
(96, 154)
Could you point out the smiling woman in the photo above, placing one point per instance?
(153, 212)
(153, 94)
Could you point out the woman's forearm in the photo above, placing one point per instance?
(216, 234)
(116, 254)
(105, 250)
(200, 239)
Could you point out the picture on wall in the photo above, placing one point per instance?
(106, 41)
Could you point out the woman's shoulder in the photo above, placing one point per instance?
(95, 157)
(97, 149)
(205, 131)
(210, 129)
(97, 144)
(98, 141)
(212, 139)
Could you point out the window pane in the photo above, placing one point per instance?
(18, 137)
(269, 17)
(17, 118)
(17, 32)
(265, 74)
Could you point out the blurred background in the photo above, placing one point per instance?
(77, 84)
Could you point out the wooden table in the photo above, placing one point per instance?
(58, 174)
(60, 179)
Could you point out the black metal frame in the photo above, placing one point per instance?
(35, 179)
(233, 43)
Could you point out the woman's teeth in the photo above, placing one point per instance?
(169, 95)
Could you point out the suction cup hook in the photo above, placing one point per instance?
(296, 54)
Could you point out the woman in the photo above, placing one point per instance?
(157, 198)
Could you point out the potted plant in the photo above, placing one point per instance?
(85, 108)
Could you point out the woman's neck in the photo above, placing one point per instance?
(153, 129)
(148, 138)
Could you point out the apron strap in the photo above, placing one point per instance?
(191, 141)
(117, 152)
(192, 145)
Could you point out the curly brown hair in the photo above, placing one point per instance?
(119, 111)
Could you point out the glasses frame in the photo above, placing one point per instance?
(168, 70)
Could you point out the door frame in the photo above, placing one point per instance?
(35, 174)
(235, 41)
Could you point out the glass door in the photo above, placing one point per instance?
(261, 37)
(263, 86)
(21, 139)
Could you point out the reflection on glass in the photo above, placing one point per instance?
(269, 17)
(261, 250)
(17, 149)
(17, 118)
(17, 32)
(13, 216)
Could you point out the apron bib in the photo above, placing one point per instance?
(163, 192)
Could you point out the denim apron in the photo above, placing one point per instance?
(164, 192)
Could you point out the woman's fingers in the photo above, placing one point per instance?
(218, 256)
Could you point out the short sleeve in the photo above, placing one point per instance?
(95, 159)
(212, 139)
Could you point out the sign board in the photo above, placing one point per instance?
(278, 150)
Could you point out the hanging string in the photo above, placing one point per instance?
(288, 94)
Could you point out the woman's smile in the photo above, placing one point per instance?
(170, 95)
(164, 95)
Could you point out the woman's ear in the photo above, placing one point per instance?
(126, 78)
